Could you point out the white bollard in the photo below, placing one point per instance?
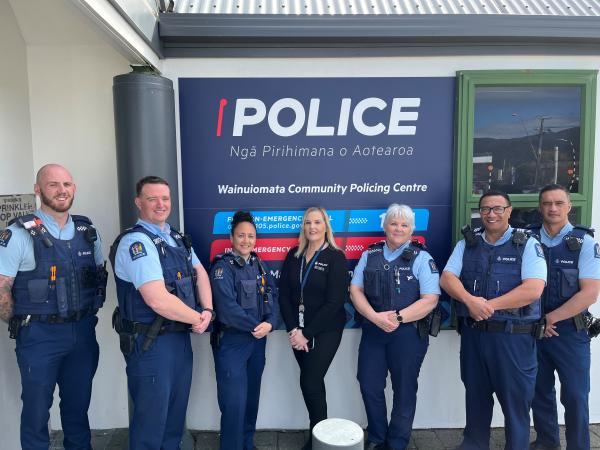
(332, 434)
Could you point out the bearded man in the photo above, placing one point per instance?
(52, 283)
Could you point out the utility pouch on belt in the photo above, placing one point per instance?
(14, 326)
(436, 322)
(127, 343)
(423, 327)
(431, 324)
(152, 332)
(126, 340)
(539, 329)
(579, 322)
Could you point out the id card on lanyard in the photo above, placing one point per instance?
(303, 280)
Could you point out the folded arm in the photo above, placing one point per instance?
(167, 305)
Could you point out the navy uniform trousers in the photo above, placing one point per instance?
(159, 383)
(65, 354)
(501, 363)
(569, 355)
(239, 364)
(400, 352)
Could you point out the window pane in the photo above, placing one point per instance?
(526, 137)
(522, 217)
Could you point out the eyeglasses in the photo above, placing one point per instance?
(485, 210)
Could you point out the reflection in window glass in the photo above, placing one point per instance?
(526, 137)
(522, 217)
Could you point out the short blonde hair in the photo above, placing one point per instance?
(303, 242)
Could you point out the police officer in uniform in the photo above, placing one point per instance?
(244, 295)
(159, 279)
(52, 283)
(395, 284)
(573, 259)
(497, 275)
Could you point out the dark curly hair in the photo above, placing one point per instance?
(239, 217)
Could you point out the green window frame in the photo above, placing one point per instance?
(468, 81)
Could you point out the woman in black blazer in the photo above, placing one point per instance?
(312, 291)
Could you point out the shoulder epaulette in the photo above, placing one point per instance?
(84, 224)
(418, 244)
(81, 219)
(175, 233)
(376, 247)
(587, 230)
(233, 259)
(26, 219)
(185, 239)
(220, 256)
(35, 227)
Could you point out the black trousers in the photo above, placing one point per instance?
(313, 367)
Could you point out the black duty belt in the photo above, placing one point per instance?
(501, 327)
(55, 318)
(142, 328)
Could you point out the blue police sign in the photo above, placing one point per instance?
(352, 145)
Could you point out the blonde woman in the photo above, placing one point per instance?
(312, 291)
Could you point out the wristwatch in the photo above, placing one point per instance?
(213, 314)
(399, 317)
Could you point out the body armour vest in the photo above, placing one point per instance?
(254, 294)
(563, 267)
(490, 271)
(390, 285)
(178, 273)
(66, 278)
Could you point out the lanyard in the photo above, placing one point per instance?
(304, 278)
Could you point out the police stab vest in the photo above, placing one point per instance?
(490, 271)
(563, 269)
(178, 273)
(390, 285)
(254, 294)
(66, 278)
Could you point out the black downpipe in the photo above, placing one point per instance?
(144, 106)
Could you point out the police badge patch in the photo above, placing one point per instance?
(5, 236)
(137, 250)
(539, 251)
(433, 266)
(597, 250)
